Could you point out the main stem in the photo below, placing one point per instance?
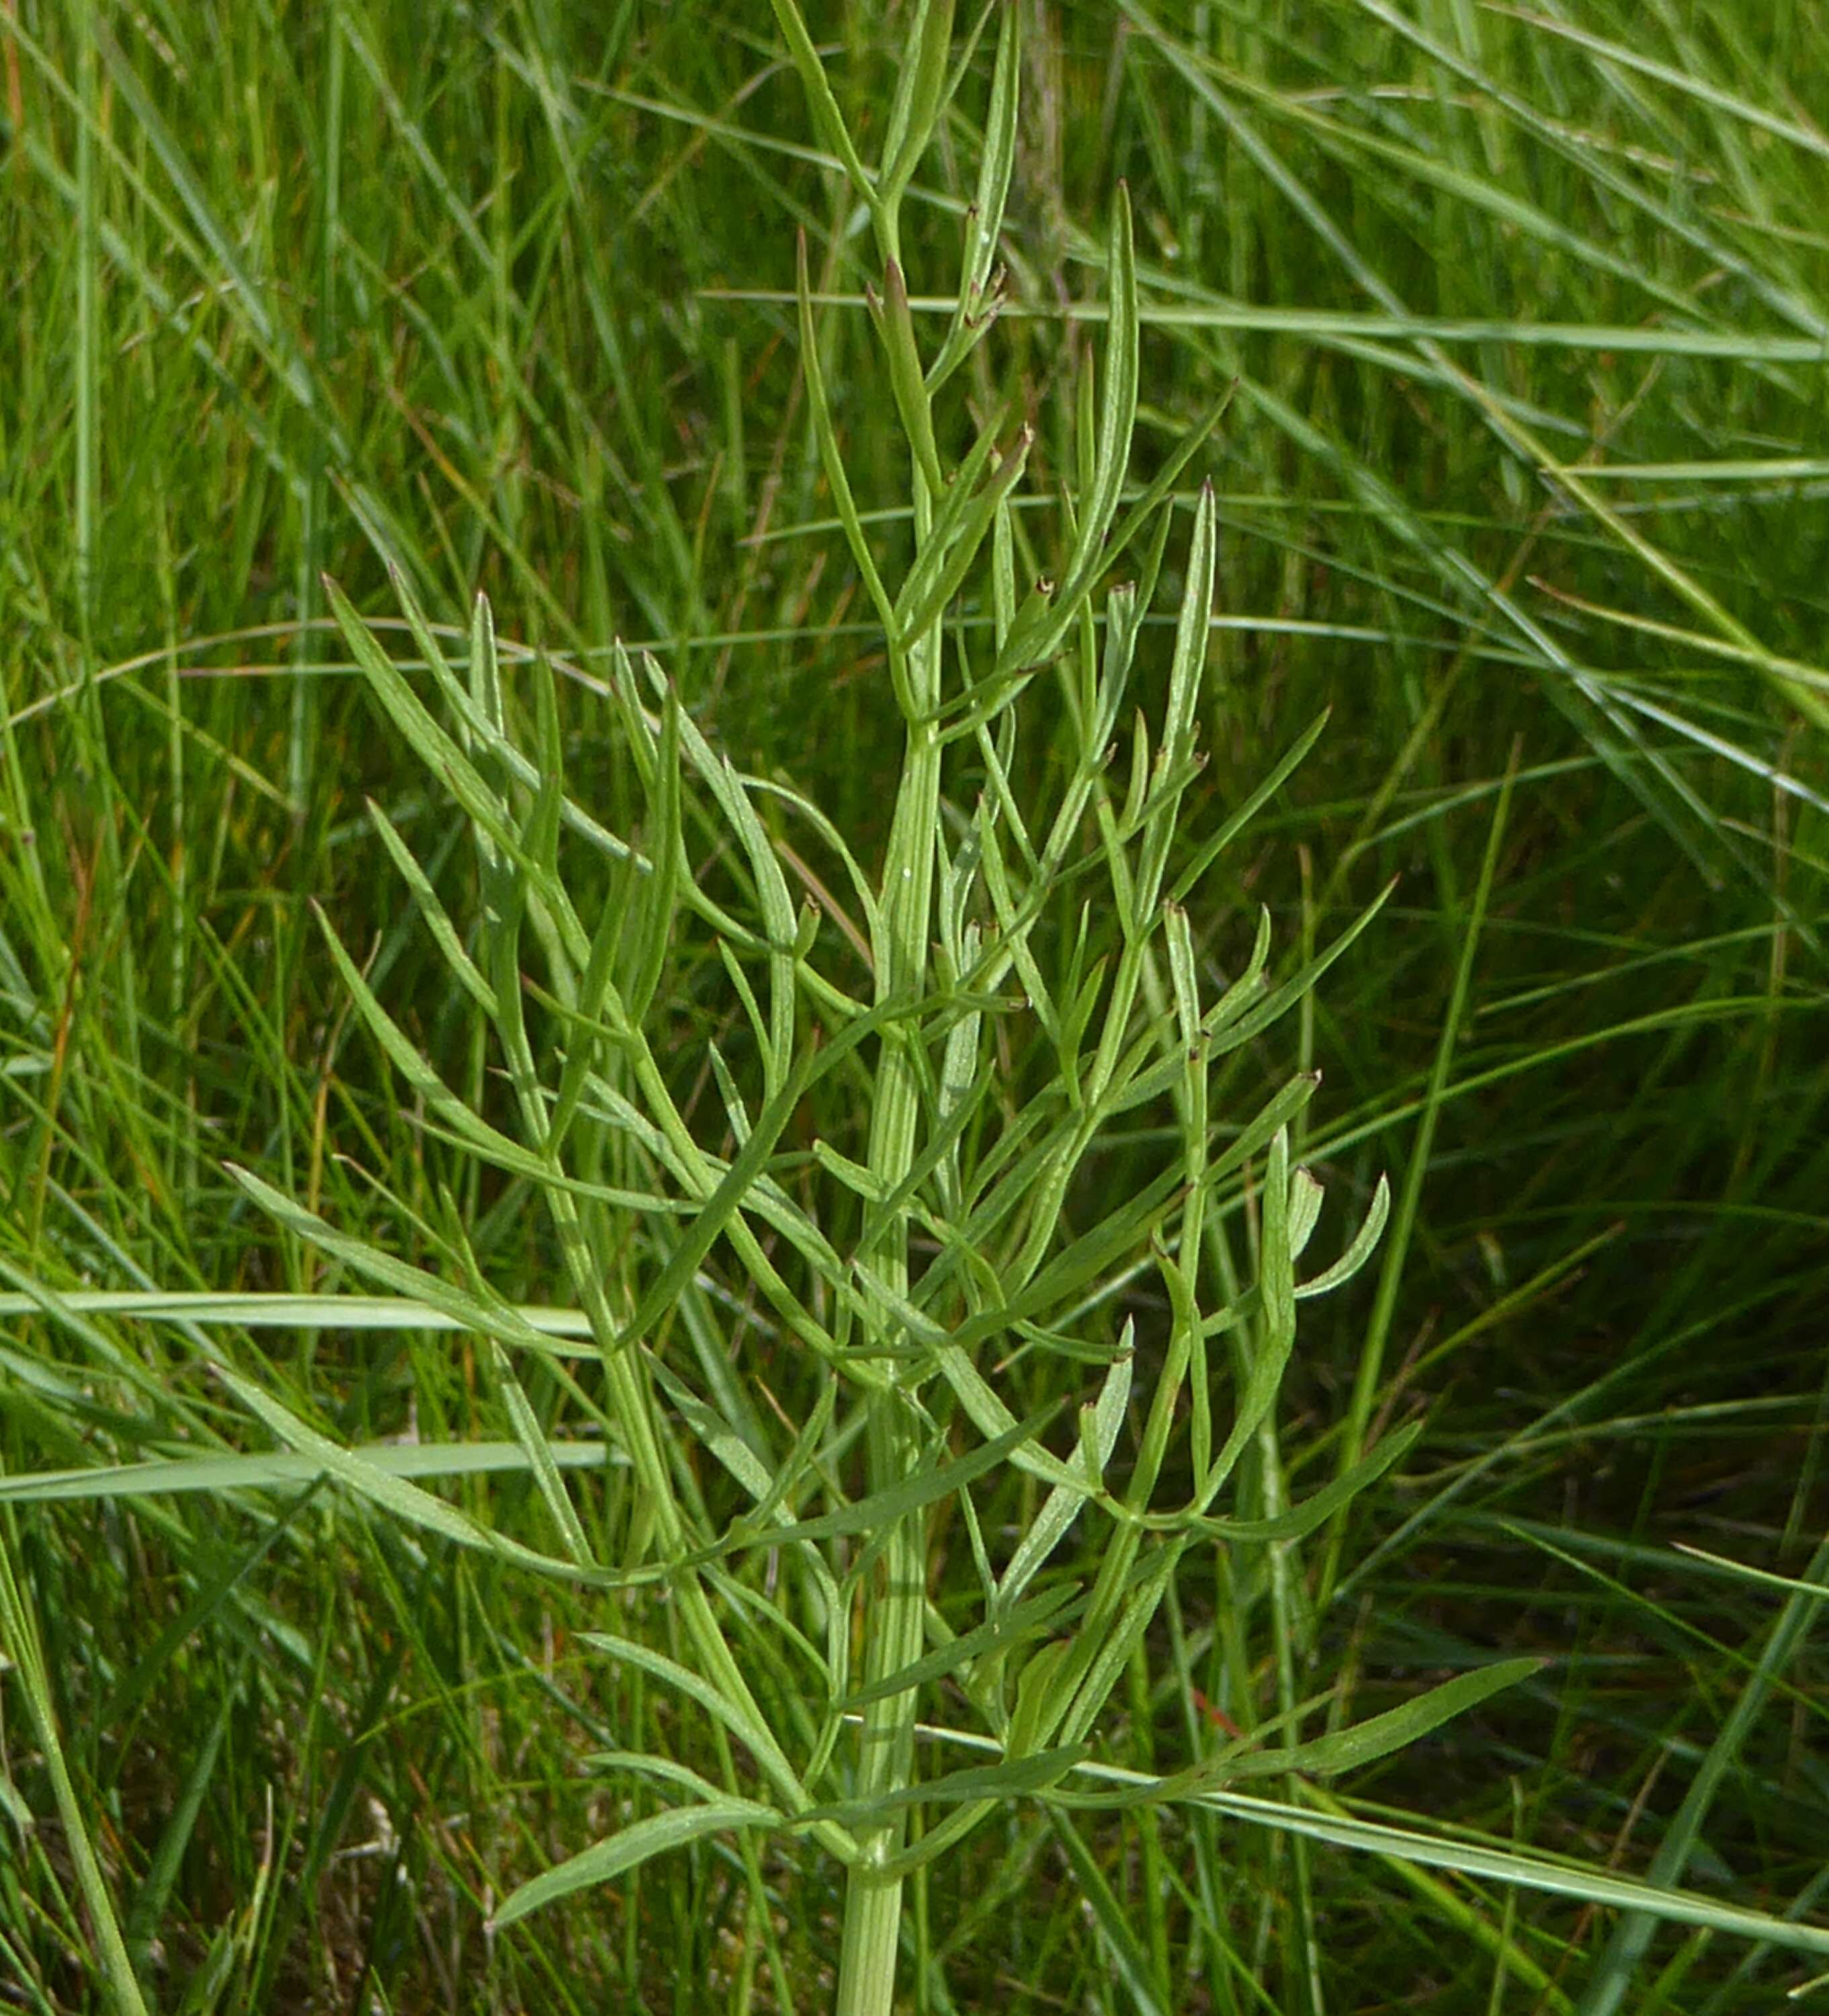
(893, 1617)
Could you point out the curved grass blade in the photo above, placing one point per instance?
(173, 1476)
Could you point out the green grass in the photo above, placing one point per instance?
(1520, 483)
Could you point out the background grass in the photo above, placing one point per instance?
(1525, 463)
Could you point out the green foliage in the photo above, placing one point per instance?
(667, 1284)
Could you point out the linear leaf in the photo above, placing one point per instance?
(1365, 1742)
(1016, 1626)
(828, 121)
(393, 1493)
(880, 1510)
(541, 1457)
(1359, 1251)
(628, 1848)
(271, 1471)
(1319, 1506)
(1015, 1778)
(733, 1715)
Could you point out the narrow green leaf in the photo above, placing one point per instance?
(714, 1431)
(929, 588)
(1365, 1742)
(1062, 1506)
(413, 1068)
(1254, 802)
(819, 406)
(1193, 632)
(1582, 1884)
(1305, 1210)
(627, 1849)
(907, 382)
(1015, 1778)
(921, 93)
(1038, 638)
(486, 1318)
(1129, 1962)
(1182, 974)
(1319, 1506)
(541, 1458)
(1277, 1003)
(1017, 1625)
(268, 1471)
(979, 282)
(951, 504)
(1075, 1714)
(732, 1715)
(1276, 1337)
(828, 121)
(392, 1494)
(438, 920)
(1357, 1252)
(23, 1650)
(1620, 1960)
(252, 1310)
(993, 1420)
(1365, 1377)
(421, 733)
(880, 1510)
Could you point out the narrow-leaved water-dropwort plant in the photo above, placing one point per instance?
(962, 1228)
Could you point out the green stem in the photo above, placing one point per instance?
(893, 1619)
(873, 1930)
